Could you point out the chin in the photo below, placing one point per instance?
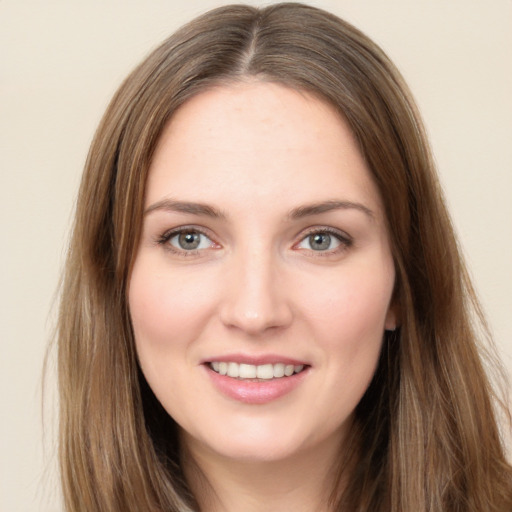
(261, 442)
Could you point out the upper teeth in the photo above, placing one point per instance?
(251, 371)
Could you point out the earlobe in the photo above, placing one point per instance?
(392, 318)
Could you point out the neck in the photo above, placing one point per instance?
(302, 482)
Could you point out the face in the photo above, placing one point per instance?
(262, 285)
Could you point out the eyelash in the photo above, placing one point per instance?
(344, 239)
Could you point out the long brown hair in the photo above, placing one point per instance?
(425, 435)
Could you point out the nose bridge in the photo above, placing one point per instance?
(255, 299)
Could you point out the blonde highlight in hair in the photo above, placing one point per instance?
(425, 434)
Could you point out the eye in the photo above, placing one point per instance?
(187, 240)
(324, 241)
(319, 242)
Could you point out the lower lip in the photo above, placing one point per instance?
(255, 392)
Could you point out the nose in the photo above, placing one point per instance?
(255, 299)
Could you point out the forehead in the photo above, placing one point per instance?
(258, 140)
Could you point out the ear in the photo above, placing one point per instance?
(392, 317)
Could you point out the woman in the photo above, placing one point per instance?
(264, 306)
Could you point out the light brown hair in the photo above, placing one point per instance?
(425, 436)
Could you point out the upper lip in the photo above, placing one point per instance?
(255, 360)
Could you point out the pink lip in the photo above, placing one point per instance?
(255, 391)
(255, 359)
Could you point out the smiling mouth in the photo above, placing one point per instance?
(260, 372)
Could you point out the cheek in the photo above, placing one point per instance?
(347, 320)
(347, 316)
(352, 305)
(168, 309)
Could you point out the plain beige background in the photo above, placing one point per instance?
(60, 62)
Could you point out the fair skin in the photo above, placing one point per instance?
(264, 249)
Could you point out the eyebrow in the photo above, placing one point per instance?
(171, 205)
(327, 206)
(300, 212)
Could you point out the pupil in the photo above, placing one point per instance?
(189, 240)
(320, 241)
